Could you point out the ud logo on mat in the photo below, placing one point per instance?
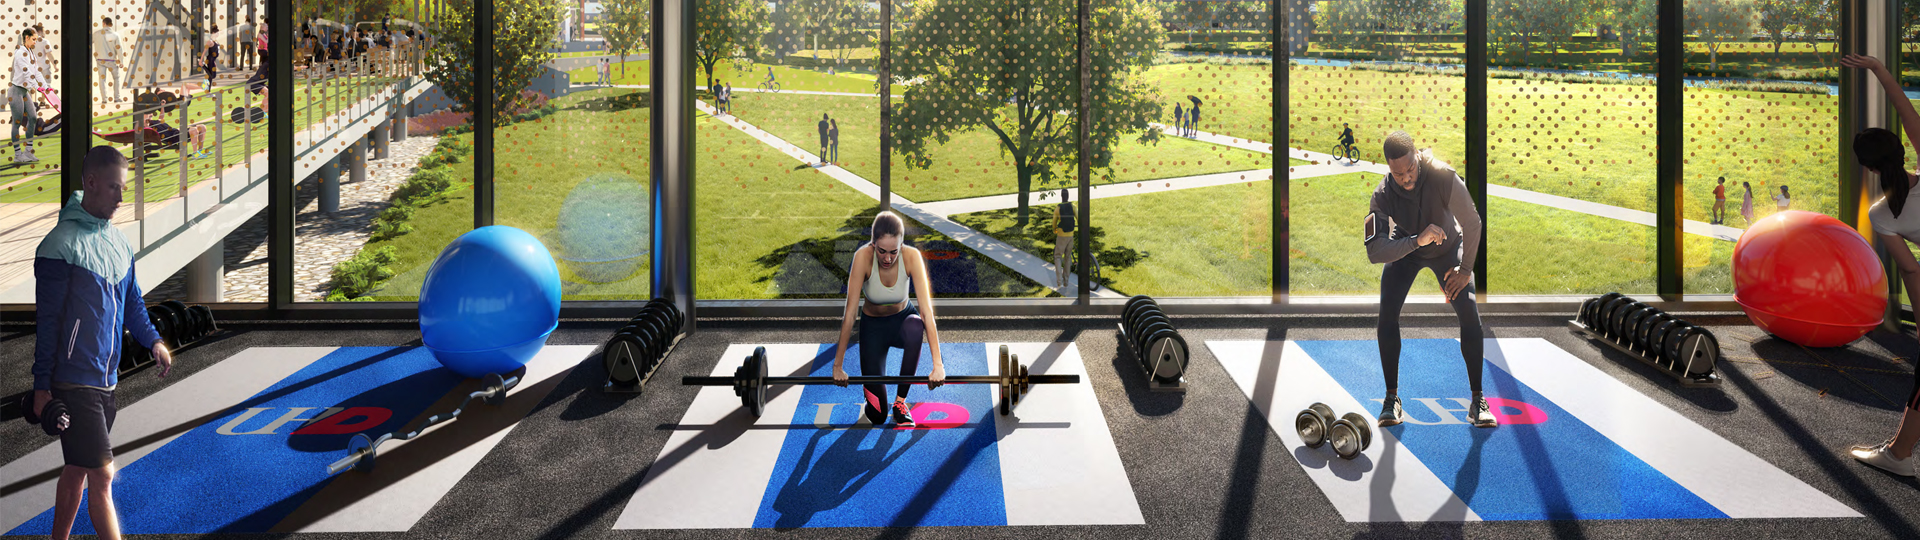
(811, 461)
(243, 446)
(1573, 442)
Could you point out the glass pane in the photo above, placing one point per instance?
(1373, 71)
(30, 175)
(571, 156)
(381, 200)
(1761, 114)
(1571, 162)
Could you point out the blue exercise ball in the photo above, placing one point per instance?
(489, 301)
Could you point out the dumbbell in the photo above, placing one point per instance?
(1313, 423)
(1350, 435)
(56, 409)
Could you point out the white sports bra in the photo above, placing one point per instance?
(878, 293)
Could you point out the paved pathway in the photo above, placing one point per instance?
(1325, 165)
(1000, 202)
(1027, 264)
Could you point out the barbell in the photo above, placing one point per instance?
(750, 381)
(361, 448)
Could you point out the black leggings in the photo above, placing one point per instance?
(1913, 402)
(1395, 281)
(877, 334)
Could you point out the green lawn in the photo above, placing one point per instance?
(638, 72)
(751, 213)
(1213, 241)
(969, 164)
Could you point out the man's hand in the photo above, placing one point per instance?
(1433, 235)
(1457, 280)
(164, 357)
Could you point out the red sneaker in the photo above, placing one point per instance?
(902, 416)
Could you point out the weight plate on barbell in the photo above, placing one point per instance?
(361, 443)
(759, 390)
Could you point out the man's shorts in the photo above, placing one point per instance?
(91, 411)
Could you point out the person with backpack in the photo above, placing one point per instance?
(1063, 225)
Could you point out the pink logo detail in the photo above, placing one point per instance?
(1528, 414)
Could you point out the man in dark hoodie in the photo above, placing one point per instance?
(1422, 217)
(85, 294)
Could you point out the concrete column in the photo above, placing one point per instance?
(328, 183)
(382, 139)
(357, 163)
(400, 123)
(204, 274)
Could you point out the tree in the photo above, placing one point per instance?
(723, 28)
(522, 40)
(1815, 18)
(624, 24)
(1718, 21)
(1008, 66)
(1348, 22)
(1775, 16)
(1909, 22)
(1634, 22)
(1406, 16)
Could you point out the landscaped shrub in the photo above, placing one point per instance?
(426, 186)
(355, 277)
(392, 222)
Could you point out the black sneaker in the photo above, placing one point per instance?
(1482, 415)
(874, 414)
(902, 416)
(1390, 412)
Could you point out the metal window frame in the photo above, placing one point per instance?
(1670, 182)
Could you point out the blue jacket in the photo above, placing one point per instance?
(84, 293)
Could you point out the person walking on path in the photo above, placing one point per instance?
(106, 56)
(1746, 206)
(1720, 202)
(1193, 121)
(823, 128)
(1063, 226)
(1179, 118)
(20, 97)
(833, 141)
(245, 54)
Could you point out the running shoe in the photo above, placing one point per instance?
(1482, 414)
(902, 416)
(1881, 455)
(1390, 412)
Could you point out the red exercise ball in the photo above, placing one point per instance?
(1809, 279)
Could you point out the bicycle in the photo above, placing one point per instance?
(1343, 150)
(770, 86)
(1093, 278)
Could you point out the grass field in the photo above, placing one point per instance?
(638, 72)
(744, 228)
(970, 164)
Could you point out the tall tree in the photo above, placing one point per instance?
(1634, 22)
(1718, 21)
(624, 24)
(1008, 66)
(1815, 19)
(1774, 18)
(1349, 23)
(1407, 16)
(724, 28)
(1909, 22)
(522, 42)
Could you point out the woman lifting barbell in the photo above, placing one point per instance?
(888, 318)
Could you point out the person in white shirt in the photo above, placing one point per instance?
(25, 79)
(106, 55)
(43, 53)
(1783, 200)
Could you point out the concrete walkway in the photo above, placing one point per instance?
(1028, 265)
(1326, 164)
(741, 90)
(1001, 202)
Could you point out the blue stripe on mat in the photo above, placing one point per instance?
(864, 477)
(1558, 469)
(206, 482)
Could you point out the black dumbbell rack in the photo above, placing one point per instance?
(1140, 357)
(1651, 359)
(674, 319)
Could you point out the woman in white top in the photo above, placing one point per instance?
(1783, 200)
(1896, 220)
(882, 272)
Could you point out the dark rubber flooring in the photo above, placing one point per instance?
(1203, 464)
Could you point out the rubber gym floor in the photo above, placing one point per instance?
(1203, 464)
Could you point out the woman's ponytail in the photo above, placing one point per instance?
(1880, 150)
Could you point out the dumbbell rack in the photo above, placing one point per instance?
(674, 321)
(1652, 359)
(612, 388)
(1140, 358)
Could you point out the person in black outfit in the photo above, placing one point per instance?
(1346, 139)
(1422, 217)
(212, 60)
(824, 131)
(833, 141)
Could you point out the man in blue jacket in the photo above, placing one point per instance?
(85, 294)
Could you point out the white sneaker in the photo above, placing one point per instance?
(30, 157)
(1880, 456)
(19, 157)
